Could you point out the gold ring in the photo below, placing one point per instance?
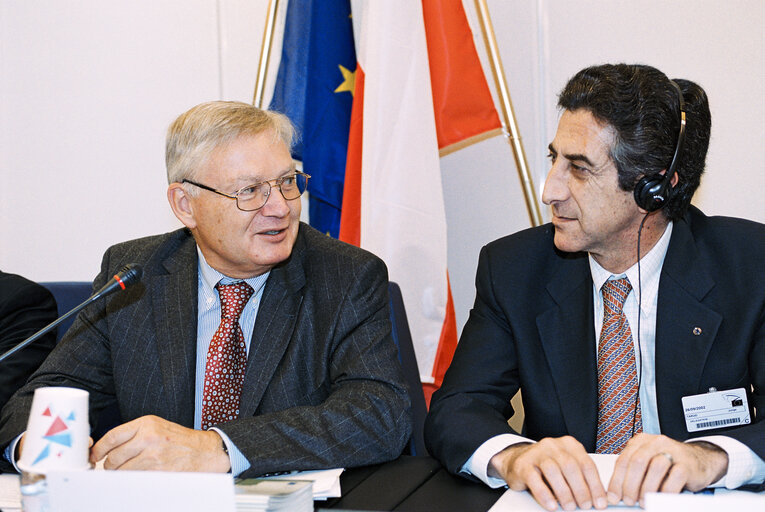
(668, 457)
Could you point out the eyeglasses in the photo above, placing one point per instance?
(254, 197)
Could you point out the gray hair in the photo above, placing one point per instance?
(196, 133)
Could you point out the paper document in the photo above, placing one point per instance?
(10, 496)
(147, 491)
(523, 501)
(723, 499)
(266, 495)
(326, 482)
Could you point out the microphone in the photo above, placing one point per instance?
(127, 276)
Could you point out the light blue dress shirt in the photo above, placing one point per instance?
(208, 320)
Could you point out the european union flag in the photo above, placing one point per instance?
(314, 88)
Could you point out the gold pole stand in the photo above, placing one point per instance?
(265, 53)
(527, 183)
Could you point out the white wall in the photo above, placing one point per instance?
(88, 88)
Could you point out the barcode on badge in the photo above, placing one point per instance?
(718, 423)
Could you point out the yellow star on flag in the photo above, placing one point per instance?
(349, 80)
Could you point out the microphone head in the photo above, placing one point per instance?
(129, 274)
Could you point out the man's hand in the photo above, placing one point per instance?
(656, 463)
(152, 443)
(554, 470)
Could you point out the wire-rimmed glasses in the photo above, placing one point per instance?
(254, 197)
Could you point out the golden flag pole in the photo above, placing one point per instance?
(265, 53)
(527, 183)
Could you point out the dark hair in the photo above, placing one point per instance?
(642, 106)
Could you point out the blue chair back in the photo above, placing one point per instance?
(403, 338)
(68, 295)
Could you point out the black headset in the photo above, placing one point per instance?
(653, 192)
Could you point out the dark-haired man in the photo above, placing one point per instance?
(613, 356)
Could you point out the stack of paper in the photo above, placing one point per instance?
(326, 482)
(10, 496)
(273, 495)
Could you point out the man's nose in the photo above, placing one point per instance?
(275, 203)
(555, 189)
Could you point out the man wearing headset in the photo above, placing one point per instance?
(632, 323)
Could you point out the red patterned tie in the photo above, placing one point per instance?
(618, 399)
(226, 358)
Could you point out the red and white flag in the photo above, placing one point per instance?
(412, 56)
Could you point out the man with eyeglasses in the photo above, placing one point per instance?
(254, 344)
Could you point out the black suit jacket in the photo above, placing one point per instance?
(532, 328)
(25, 308)
(323, 386)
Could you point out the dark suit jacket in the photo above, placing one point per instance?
(532, 328)
(323, 386)
(25, 308)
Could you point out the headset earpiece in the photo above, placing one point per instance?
(652, 192)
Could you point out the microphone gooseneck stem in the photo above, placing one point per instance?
(47, 328)
(127, 276)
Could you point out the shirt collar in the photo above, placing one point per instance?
(650, 269)
(209, 277)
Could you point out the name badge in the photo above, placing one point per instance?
(716, 409)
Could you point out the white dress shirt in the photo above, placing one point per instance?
(744, 466)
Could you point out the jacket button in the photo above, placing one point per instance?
(697, 331)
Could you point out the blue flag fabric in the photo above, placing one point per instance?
(314, 88)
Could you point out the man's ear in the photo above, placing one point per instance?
(675, 179)
(181, 204)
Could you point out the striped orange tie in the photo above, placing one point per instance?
(618, 398)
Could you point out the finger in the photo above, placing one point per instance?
(592, 477)
(582, 478)
(132, 460)
(622, 468)
(675, 480)
(617, 477)
(658, 469)
(628, 474)
(117, 457)
(552, 473)
(633, 480)
(540, 491)
(115, 437)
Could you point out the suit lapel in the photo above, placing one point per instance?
(685, 329)
(567, 334)
(275, 322)
(174, 305)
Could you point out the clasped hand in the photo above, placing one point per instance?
(559, 470)
(152, 443)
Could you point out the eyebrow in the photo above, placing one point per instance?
(251, 180)
(572, 156)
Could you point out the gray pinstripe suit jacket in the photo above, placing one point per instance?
(323, 386)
